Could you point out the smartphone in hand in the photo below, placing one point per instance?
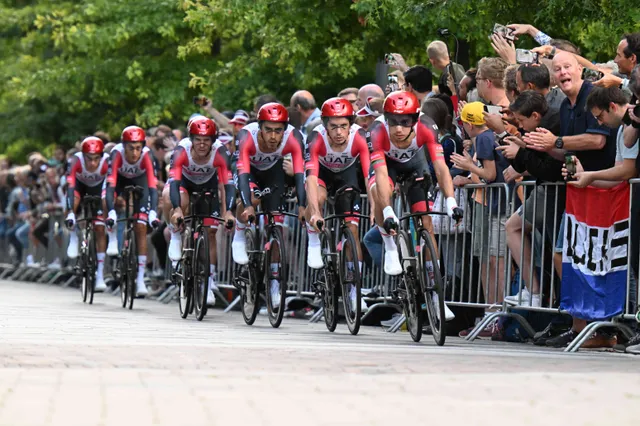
(503, 31)
(591, 75)
(570, 165)
(200, 100)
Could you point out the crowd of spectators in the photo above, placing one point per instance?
(500, 122)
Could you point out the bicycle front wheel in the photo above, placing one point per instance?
(276, 277)
(350, 281)
(409, 292)
(249, 278)
(432, 288)
(91, 266)
(329, 273)
(201, 274)
(132, 270)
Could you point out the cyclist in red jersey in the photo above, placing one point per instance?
(334, 150)
(402, 142)
(197, 164)
(86, 173)
(131, 164)
(262, 147)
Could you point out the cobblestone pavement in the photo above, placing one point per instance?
(66, 363)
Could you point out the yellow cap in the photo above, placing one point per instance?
(472, 113)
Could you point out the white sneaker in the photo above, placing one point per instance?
(112, 248)
(275, 293)
(100, 285)
(29, 261)
(239, 252)
(141, 288)
(314, 257)
(55, 264)
(175, 249)
(392, 264)
(514, 300)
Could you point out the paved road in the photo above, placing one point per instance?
(66, 363)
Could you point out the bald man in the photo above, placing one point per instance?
(305, 103)
(438, 53)
(368, 91)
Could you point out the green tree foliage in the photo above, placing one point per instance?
(70, 67)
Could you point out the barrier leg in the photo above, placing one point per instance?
(482, 325)
(172, 293)
(317, 316)
(232, 304)
(395, 327)
(591, 328)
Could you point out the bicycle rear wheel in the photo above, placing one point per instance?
(432, 288)
(350, 281)
(330, 290)
(410, 294)
(91, 266)
(132, 270)
(249, 278)
(201, 274)
(276, 299)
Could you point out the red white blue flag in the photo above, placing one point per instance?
(594, 255)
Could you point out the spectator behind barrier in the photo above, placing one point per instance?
(418, 80)
(532, 77)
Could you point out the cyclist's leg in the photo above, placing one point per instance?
(101, 241)
(175, 242)
(238, 245)
(140, 230)
(72, 249)
(112, 248)
(314, 253)
(392, 264)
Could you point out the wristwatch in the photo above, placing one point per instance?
(559, 142)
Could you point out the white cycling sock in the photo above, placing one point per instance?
(312, 235)
(142, 261)
(100, 270)
(389, 243)
(238, 236)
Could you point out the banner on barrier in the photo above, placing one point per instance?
(594, 256)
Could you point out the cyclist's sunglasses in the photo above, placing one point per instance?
(403, 120)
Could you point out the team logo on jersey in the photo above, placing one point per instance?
(91, 177)
(264, 158)
(129, 170)
(403, 155)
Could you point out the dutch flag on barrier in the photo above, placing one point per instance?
(594, 255)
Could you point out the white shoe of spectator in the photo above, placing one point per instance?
(275, 293)
(175, 247)
(29, 261)
(314, 257)
(536, 301)
(112, 248)
(141, 288)
(100, 285)
(55, 264)
(239, 251)
(392, 264)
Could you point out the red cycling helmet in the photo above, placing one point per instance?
(337, 107)
(92, 145)
(202, 126)
(401, 103)
(133, 134)
(273, 111)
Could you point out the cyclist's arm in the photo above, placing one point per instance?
(152, 180)
(222, 162)
(112, 178)
(76, 166)
(313, 167)
(295, 147)
(379, 143)
(246, 150)
(178, 159)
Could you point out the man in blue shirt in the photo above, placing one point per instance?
(594, 145)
